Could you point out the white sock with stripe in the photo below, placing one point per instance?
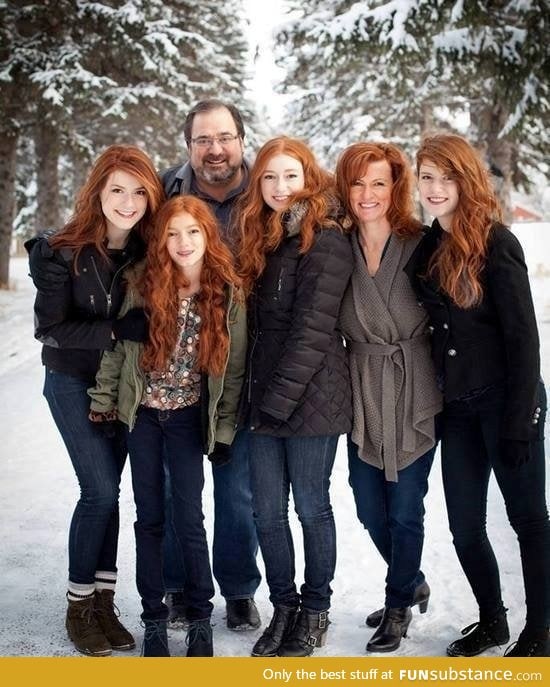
(79, 592)
(105, 579)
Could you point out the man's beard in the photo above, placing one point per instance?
(217, 177)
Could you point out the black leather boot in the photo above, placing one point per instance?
(421, 598)
(275, 633)
(530, 643)
(309, 632)
(393, 626)
(481, 636)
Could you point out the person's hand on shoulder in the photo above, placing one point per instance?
(47, 273)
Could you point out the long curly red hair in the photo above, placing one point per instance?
(352, 165)
(460, 257)
(88, 225)
(163, 279)
(261, 228)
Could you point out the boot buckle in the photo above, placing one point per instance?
(322, 620)
(312, 641)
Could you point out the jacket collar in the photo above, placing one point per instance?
(293, 217)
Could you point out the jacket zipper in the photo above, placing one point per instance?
(108, 294)
(251, 354)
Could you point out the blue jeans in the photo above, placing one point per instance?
(98, 464)
(393, 514)
(235, 541)
(174, 435)
(470, 450)
(305, 463)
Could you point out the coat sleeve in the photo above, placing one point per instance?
(234, 375)
(56, 325)
(322, 277)
(508, 285)
(104, 394)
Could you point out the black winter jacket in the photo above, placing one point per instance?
(75, 324)
(298, 379)
(491, 343)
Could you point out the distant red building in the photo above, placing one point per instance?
(521, 214)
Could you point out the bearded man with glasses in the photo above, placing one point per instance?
(216, 170)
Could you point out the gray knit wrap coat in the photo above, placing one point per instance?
(395, 396)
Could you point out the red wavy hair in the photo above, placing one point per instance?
(163, 279)
(88, 226)
(261, 228)
(460, 257)
(352, 165)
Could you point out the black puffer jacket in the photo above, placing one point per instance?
(298, 379)
(75, 323)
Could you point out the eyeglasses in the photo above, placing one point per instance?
(207, 141)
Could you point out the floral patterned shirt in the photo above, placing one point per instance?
(179, 385)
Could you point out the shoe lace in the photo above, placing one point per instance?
(154, 631)
(199, 630)
(91, 626)
(106, 607)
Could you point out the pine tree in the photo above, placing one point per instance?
(394, 69)
(361, 70)
(77, 76)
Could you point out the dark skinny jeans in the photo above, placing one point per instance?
(470, 450)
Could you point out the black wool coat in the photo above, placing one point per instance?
(298, 379)
(495, 342)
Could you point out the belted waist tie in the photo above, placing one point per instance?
(389, 429)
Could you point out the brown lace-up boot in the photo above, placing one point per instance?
(107, 616)
(84, 630)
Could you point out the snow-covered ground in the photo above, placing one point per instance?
(38, 491)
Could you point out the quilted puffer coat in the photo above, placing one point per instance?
(298, 379)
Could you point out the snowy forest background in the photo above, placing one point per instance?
(76, 76)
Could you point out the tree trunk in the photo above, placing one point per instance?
(8, 150)
(47, 158)
(490, 119)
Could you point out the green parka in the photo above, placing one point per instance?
(120, 381)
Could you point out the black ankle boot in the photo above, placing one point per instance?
(309, 632)
(199, 639)
(155, 639)
(393, 626)
(421, 598)
(275, 633)
(481, 636)
(530, 643)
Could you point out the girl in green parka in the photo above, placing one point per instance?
(190, 368)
